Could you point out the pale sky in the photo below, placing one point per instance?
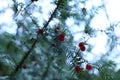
(99, 22)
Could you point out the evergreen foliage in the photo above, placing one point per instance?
(45, 50)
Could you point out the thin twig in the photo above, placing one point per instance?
(46, 71)
(106, 13)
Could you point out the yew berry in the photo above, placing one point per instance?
(82, 48)
(53, 45)
(40, 31)
(77, 68)
(88, 67)
(57, 29)
(83, 9)
(24, 67)
(33, 0)
(101, 30)
(61, 37)
(81, 44)
(86, 31)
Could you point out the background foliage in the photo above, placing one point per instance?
(33, 55)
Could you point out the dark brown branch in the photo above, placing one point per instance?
(53, 14)
(24, 58)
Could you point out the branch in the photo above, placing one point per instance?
(34, 43)
(24, 58)
(52, 15)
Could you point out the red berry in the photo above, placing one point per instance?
(101, 30)
(61, 37)
(33, 0)
(57, 29)
(24, 67)
(77, 68)
(53, 45)
(82, 48)
(40, 31)
(86, 31)
(88, 67)
(81, 44)
(83, 9)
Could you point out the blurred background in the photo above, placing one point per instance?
(98, 26)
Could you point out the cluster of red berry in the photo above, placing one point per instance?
(88, 66)
(61, 36)
(78, 68)
(82, 46)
